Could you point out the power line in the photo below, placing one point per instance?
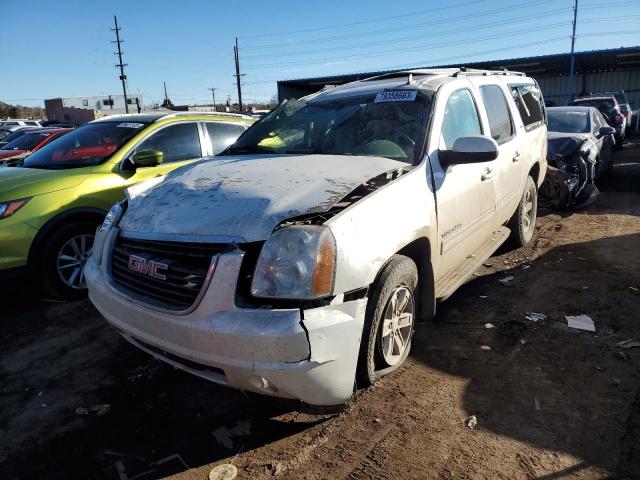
(363, 22)
(431, 35)
(475, 27)
(474, 54)
(458, 18)
(410, 49)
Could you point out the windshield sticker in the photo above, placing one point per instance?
(398, 96)
(130, 125)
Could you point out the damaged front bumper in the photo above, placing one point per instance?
(569, 182)
(310, 355)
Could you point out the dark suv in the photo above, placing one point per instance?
(625, 106)
(610, 109)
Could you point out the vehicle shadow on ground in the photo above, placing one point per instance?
(560, 389)
(154, 411)
(59, 356)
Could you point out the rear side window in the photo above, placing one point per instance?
(460, 118)
(529, 101)
(177, 142)
(595, 121)
(223, 135)
(495, 103)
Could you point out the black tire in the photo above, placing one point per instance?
(399, 276)
(619, 143)
(47, 265)
(609, 166)
(522, 230)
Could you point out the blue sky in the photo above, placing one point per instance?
(62, 47)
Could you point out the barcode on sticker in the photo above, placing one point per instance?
(398, 96)
(130, 125)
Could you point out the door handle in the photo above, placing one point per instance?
(516, 156)
(487, 174)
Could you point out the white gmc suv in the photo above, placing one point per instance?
(297, 263)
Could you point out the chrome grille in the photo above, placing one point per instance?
(187, 266)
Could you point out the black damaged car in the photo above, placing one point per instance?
(580, 150)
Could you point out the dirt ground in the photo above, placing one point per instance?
(550, 402)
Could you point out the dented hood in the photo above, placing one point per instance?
(243, 198)
(563, 144)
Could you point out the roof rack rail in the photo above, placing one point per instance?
(221, 114)
(503, 71)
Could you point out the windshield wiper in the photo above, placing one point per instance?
(254, 149)
(303, 151)
(42, 166)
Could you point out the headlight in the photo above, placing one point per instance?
(9, 208)
(296, 263)
(113, 217)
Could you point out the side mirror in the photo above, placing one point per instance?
(147, 158)
(604, 131)
(470, 149)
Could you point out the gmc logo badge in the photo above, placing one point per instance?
(146, 267)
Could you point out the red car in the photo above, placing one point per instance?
(30, 142)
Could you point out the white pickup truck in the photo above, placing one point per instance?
(297, 263)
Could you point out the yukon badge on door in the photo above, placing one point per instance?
(146, 267)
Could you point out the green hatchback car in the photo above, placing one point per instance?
(52, 203)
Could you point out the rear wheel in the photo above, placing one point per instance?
(65, 254)
(523, 222)
(389, 322)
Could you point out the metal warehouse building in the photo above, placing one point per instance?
(596, 70)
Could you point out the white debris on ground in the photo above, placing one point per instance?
(226, 471)
(628, 344)
(471, 422)
(535, 317)
(581, 322)
(489, 325)
(485, 347)
(506, 281)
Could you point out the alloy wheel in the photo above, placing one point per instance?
(397, 326)
(528, 219)
(71, 261)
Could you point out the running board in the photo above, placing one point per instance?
(453, 279)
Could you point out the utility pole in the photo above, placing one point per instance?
(236, 56)
(573, 56)
(120, 65)
(165, 92)
(213, 94)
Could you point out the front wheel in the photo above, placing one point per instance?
(64, 257)
(523, 222)
(389, 322)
